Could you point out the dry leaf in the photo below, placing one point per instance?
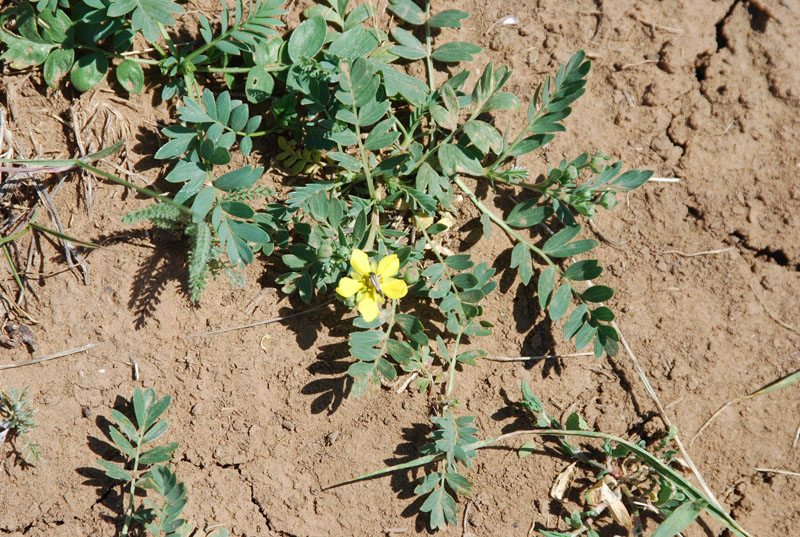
(562, 482)
(615, 506)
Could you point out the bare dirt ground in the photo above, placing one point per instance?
(707, 91)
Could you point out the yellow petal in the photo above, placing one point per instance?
(388, 266)
(348, 287)
(368, 308)
(360, 262)
(394, 288)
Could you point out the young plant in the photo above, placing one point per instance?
(17, 421)
(83, 38)
(144, 470)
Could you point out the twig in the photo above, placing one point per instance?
(772, 315)
(403, 387)
(653, 26)
(259, 323)
(774, 471)
(534, 358)
(796, 437)
(629, 65)
(135, 367)
(49, 357)
(664, 180)
(602, 235)
(705, 252)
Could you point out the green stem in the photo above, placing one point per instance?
(132, 492)
(270, 67)
(429, 48)
(142, 190)
(512, 233)
(452, 369)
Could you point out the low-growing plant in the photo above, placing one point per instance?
(144, 470)
(17, 421)
(384, 160)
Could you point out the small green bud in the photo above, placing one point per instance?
(608, 200)
(411, 276)
(572, 173)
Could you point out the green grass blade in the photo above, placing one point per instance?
(64, 236)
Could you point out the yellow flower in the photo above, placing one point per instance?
(371, 283)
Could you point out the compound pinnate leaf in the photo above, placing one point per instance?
(130, 76)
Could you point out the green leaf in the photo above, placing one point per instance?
(248, 232)
(531, 143)
(598, 293)
(603, 314)
(575, 422)
(576, 320)
(560, 239)
(57, 65)
(348, 162)
(585, 335)
(130, 76)
(526, 449)
(355, 43)
(307, 39)
(528, 213)
(484, 136)
(632, 179)
(146, 14)
(115, 472)
(155, 432)
(140, 402)
(450, 18)
(410, 47)
(23, 52)
(121, 442)
(459, 262)
(574, 248)
(545, 286)
(158, 454)
(408, 11)
(681, 518)
(456, 51)
(521, 257)
(583, 270)
(88, 71)
(240, 179)
(259, 85)
(560, 302)
(502, 100)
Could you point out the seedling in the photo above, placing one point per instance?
(17, 421)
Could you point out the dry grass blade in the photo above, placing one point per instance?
(50, 356)
(259, 323)
(704, 252)
(782, 382)
(535, 358)
(772, 315)
(775, 471)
